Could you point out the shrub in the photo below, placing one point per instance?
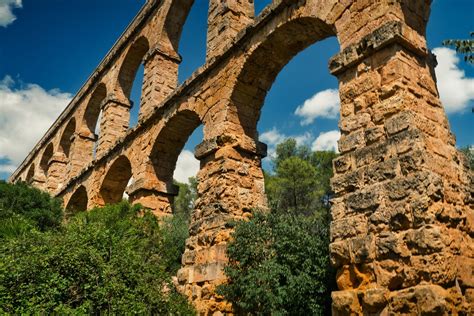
(279, 265)
(110, 260)
(23, 208)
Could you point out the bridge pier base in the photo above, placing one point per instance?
(400, 216)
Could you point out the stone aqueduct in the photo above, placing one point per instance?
(403, 217)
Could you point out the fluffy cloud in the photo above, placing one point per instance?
(327, 141)
(455, 89)
(187, 166)
(6, 14)
(26, 114)
(272, 137)
(324, 104)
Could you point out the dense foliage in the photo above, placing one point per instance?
(112, 260)
(279, 260)
(279, 266)
(300, 182)
(23, 208)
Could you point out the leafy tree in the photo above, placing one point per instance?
(293, 189)
(111, 260)
(301, 179)
(184, 202)
(23, 208)
(463, 46)
(279, 265)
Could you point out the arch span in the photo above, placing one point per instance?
(170, 143)
(92, 111)
(131, 63)
(259, 71)
(116, 180)
(66, 142)
(45, 159)
(78, 201)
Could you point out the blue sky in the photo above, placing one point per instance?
(49, 48)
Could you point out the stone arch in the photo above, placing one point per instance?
(66, 142)
(91, 114)
(170, 142)
(78, 201)
(177, 14)
(46, 157)
(259, 71)
(31, 174)
(131, 63)
(116, 180)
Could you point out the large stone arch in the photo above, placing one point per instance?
(66, 140)
(266, 60)
(78, 201)
(176, 14)
(170, 142)
(46, 158)
(116, 180)
(31, 174)
(91, 113)
(131, 63)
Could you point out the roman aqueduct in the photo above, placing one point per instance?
(403, 217)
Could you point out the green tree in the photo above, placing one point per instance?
(184, 202)
(463, 46)
(293, 189)
(301, 179)
(112, 260)
(23, 208)
(279, 265)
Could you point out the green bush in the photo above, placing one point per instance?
(279, 265)
(23, 208)
(111, 260)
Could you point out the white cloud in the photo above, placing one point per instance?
(324, 104)
(327, 141)
(455, 89)
(6, 15)
(26, 114)
(187, 166)
(272, 137)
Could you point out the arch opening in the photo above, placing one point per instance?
(91, 114)
(193, 34)
(170, 143)
(282, 44)
(131, 63)
(30, 175)
(66, 139)
(45, 159)
(116, 181)
(78, 201)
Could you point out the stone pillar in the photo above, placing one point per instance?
(153, 195)
(81, 153)
(57, 172)
(160, 78)
(231, 186)
(225, 20)
(403, 217)
(114, 122)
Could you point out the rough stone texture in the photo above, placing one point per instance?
(403, 215)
